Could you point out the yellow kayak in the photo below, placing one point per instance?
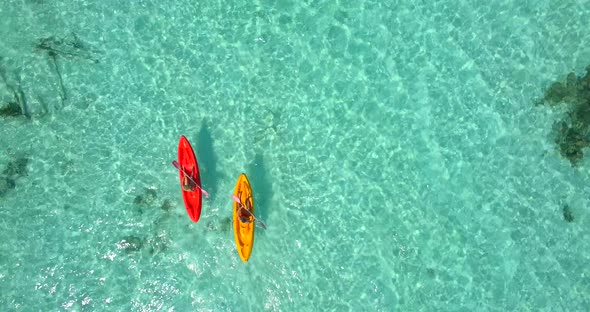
(243, 221)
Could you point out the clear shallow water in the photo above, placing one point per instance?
(394, 150)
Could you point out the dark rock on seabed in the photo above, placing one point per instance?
(14, 170)
(567, 213)
(573, 131)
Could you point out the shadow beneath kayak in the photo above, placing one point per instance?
(207, 161)
(261, 186)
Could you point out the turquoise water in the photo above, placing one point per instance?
(394, 149)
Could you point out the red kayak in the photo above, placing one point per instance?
(187, 161)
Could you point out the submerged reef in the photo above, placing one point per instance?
(14, 170)
(146, 200)
(567, 213)
(17, 167)
(573, 131)
(18, 105)
(157, 213)
(130, 244)
(158, 243)
(69, 46)
(11, 109)
(167, 205)
(224, 225)
(14, 102)
(6, 184)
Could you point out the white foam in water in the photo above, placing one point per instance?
(395, 152)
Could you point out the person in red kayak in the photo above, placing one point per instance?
(188, 185)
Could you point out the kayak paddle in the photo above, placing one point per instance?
(177, 165)
(237, 200)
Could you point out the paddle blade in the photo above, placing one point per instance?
(204, 192)
(236, 199)
(262, 225)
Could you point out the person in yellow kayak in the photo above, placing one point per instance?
(244, 213)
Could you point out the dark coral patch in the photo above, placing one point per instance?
(14, 170)
(567, 213)
(6, 185)
(11, 109)
(17, 167)
(167, 205)
(573, 132)
(130, 244)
